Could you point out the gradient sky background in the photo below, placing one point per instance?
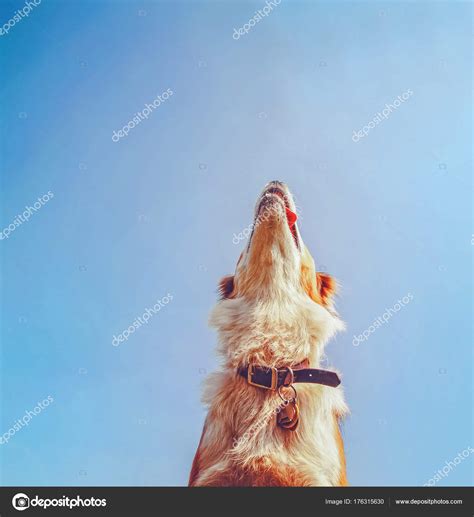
(155, 213)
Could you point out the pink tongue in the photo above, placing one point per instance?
(292, 217)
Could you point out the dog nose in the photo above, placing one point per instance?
(277, 183)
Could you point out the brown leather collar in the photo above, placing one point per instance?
(272, 378)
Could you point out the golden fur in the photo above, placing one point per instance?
(275, 311)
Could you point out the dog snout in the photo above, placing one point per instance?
(276, 187)
(276, 183)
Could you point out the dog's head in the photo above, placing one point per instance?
(276, 261)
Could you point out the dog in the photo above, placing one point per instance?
(273, 319)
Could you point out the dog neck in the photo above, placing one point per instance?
(280, 331)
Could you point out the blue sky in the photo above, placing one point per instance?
(155, 213)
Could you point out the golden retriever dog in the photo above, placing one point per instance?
(274, 416)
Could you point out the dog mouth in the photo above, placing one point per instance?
(266, 204)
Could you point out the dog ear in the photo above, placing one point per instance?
(226, 287)
(327, 287)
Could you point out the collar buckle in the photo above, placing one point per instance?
(274, 383)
